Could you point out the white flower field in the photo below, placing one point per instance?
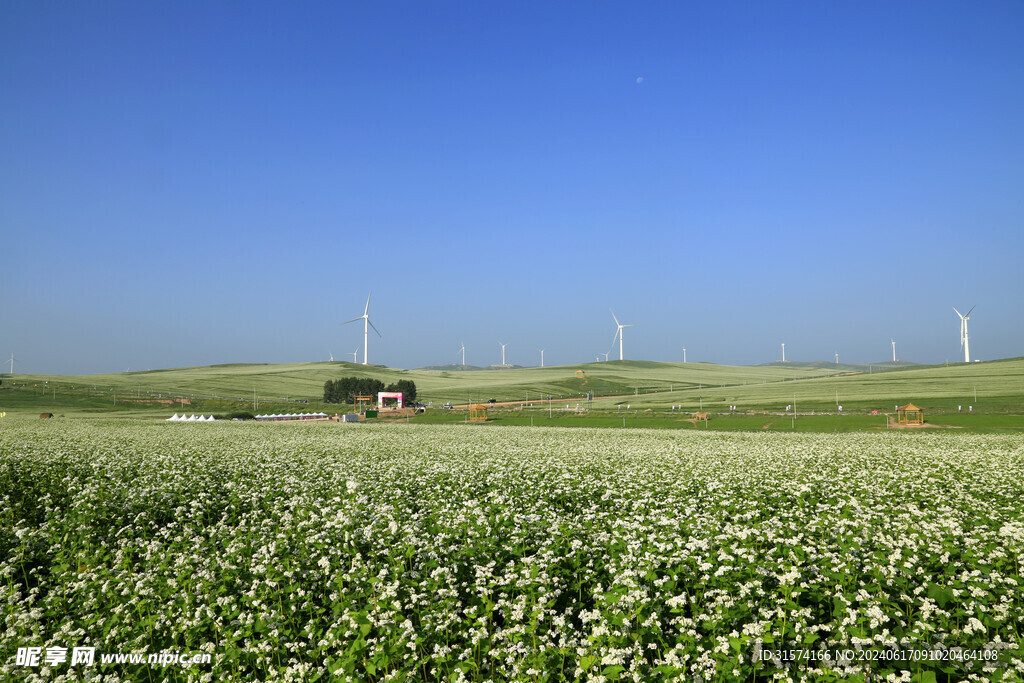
(421, 553)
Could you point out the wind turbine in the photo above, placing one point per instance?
(542, 357)
(11, 361)
(355, 356)
(963, 334)
(365, 317)
(331, 354)
(618, 334)
(893, 349)
(503, 354)
(462, 350)
(783, 352)
(684, 354)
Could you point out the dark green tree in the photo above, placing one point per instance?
(407, 387)
(345, 389)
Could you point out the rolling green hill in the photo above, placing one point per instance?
(306, 380)
(994, 385)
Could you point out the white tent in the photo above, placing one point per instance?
(175, 418)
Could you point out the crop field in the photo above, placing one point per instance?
(446, 552)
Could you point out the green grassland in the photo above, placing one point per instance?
(996, 386)
(643, 393)
(649, 419)
(288, 382)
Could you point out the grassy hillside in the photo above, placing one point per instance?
(306, 380)
(998, 385)
(995, 385)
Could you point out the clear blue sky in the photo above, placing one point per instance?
(188, 183)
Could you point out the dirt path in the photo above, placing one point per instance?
(536, 402)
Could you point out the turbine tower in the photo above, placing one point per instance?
(11, 361)
(503, 354)
(893, 349)
(542, 357)
(355, 356)
(331, 354)
(783, 352)
(684, 354)
(365, 317)
(618, 333)
(462, 350)
(964, 343)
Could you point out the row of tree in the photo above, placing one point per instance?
(345, 390)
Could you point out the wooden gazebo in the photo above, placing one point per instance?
(909, 415)
(478, 413)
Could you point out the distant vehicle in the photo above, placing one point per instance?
(447, 405)
(415, 404)
(491, 400)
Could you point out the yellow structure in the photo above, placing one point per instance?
(580, 374)
(910, 415)
(478, 413)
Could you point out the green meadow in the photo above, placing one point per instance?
(977, 397)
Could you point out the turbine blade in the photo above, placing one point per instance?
(352, 320)
(969, 312)
(374, 328)
(367, 309)
(958, 313)
(613, 317)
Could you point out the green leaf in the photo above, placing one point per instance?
(612, 672)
